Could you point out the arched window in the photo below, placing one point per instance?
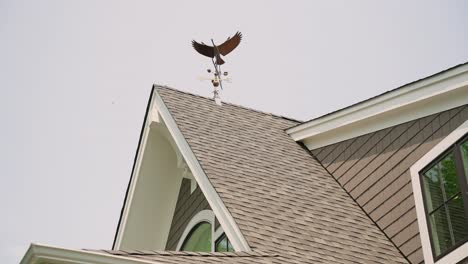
(200, 235)
(198, 239)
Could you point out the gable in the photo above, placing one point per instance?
(375, 170)
(151, 204)
(162, 161)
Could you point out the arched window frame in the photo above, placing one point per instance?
(202, 216)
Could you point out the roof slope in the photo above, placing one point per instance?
(177, 257)
(282, 199)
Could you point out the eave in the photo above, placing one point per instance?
(436, 93)
(39, 254)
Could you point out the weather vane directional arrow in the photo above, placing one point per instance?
(214, 52)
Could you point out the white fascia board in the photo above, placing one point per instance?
(462, 251)
(134, 177)
(329, 129)
(39, 254)
(222, 213)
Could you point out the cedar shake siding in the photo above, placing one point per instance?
(188, 205)
(374, 170)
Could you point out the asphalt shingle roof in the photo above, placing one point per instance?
(284, 202)
(176, 257)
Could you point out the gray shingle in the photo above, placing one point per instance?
(282, 199)
(197, 257)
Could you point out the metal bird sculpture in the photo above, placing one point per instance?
(216, 51)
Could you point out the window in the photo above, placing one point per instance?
(445, 194)
(223, 244)
(198, 239)
(200, 235)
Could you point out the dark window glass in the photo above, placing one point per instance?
(199, 239)
(445, 191)
(223, 244)
(458, 219)
(464, 150)
(433, 188)
(440, 231)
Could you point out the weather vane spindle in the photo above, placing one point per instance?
(215, 52)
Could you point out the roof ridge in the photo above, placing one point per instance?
(157, 86)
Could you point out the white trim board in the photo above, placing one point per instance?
(221, 212)
(134, 177)
(462, 251)
(435, 94)
(39, 254)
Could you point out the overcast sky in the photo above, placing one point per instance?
(75, 77)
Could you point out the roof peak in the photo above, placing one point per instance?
(158, 86)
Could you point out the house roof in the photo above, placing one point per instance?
(177, 257)
(281, 198)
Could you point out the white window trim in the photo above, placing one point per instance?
(202, 216)
(462, 251)
(217, 234)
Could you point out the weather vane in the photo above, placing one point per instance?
(215, 52)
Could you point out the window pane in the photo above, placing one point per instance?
(458, 219)
(464, 149)
(230, 248)
(432, 188)
(442, 172)
(440, 231)
(449, 175)
(221, 244)
(199, 239)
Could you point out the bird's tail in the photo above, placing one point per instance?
(219, 60)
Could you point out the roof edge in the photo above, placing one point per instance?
(135, 158)
(413, 93)
(38, 253)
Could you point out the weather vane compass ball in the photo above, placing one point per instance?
(214, 52)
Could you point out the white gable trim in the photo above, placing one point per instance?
(434, 94)
(157, 112)
(462, 251)
(224, 217)
(150, 116)
(39, 254)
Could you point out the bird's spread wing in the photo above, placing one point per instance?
(203, 49)
(230, 44)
